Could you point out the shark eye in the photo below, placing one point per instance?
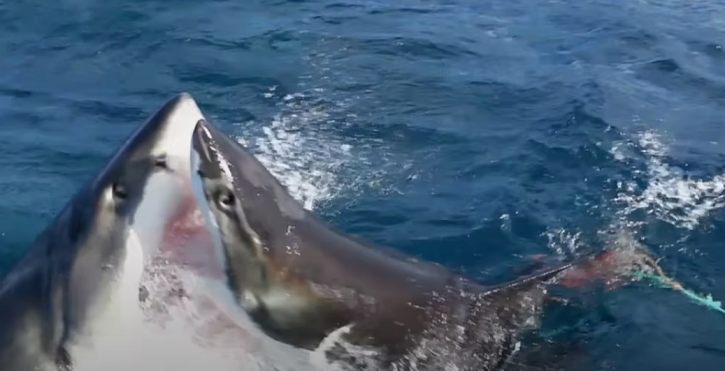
(226, 199)
(160, 162)
(119, 191)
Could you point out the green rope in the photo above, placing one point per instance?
(705, 300)
(660, 279)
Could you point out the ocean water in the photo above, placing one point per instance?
(469, 133)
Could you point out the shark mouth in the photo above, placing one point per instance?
(189, 320)
(185, 286)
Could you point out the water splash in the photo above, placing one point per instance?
(668, 194)
(659, 190)
(563, 242)
(314, 164)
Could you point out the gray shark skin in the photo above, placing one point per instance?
(82, 272)
(303, 282)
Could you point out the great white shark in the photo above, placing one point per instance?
(81, 276)
(310, 286)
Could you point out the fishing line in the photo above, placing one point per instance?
(662, 280)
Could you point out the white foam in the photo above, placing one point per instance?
(668, 195)
(562, 241)
(307, 161)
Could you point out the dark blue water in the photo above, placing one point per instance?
(469, 133)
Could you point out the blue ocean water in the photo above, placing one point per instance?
(468, 133)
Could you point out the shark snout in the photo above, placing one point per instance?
(203, 145)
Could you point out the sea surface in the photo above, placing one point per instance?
(469, 133)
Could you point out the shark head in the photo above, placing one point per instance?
(121, 219)
(80, 278)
